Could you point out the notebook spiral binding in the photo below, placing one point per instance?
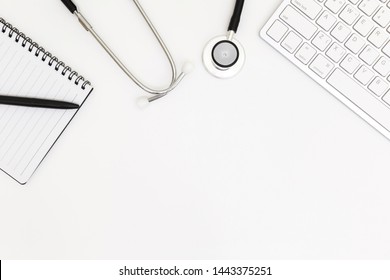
(34, 47)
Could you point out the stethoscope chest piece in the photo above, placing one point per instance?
(223, 57)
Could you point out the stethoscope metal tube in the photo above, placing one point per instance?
(158, 93)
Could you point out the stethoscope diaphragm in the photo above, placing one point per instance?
(225, 54)
(223, 58)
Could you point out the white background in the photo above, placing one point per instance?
(266, 165)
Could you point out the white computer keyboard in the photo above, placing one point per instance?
(344, 45)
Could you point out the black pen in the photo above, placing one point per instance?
(37, 103)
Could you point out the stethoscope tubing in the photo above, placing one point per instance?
(157, 93)
(236, 17)
(175, 80)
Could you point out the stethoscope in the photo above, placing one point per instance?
(223, 56)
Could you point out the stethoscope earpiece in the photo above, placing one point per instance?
(187, 67)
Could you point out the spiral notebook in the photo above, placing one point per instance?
(28, 134)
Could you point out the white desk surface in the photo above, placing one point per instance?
(266, 165)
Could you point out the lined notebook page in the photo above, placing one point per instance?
(27, 134)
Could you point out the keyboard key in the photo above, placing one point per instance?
(291, 42)
(308, 7)
(386, 49)
(305, 53)
(340, 32)
(382, 17)
(369, 55)
(368, 103)
(378, 37)
(334, 5)
(321, 66)
(335, 52)
(363, 26)
(355, 43)
(382, 66)
(277, 31)
(369, 6)
(378, 87)
(326, 20)
(364, 75)
(349, 15)
(321, 41)
(350, 64)
(298, 22)
(386, 98)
